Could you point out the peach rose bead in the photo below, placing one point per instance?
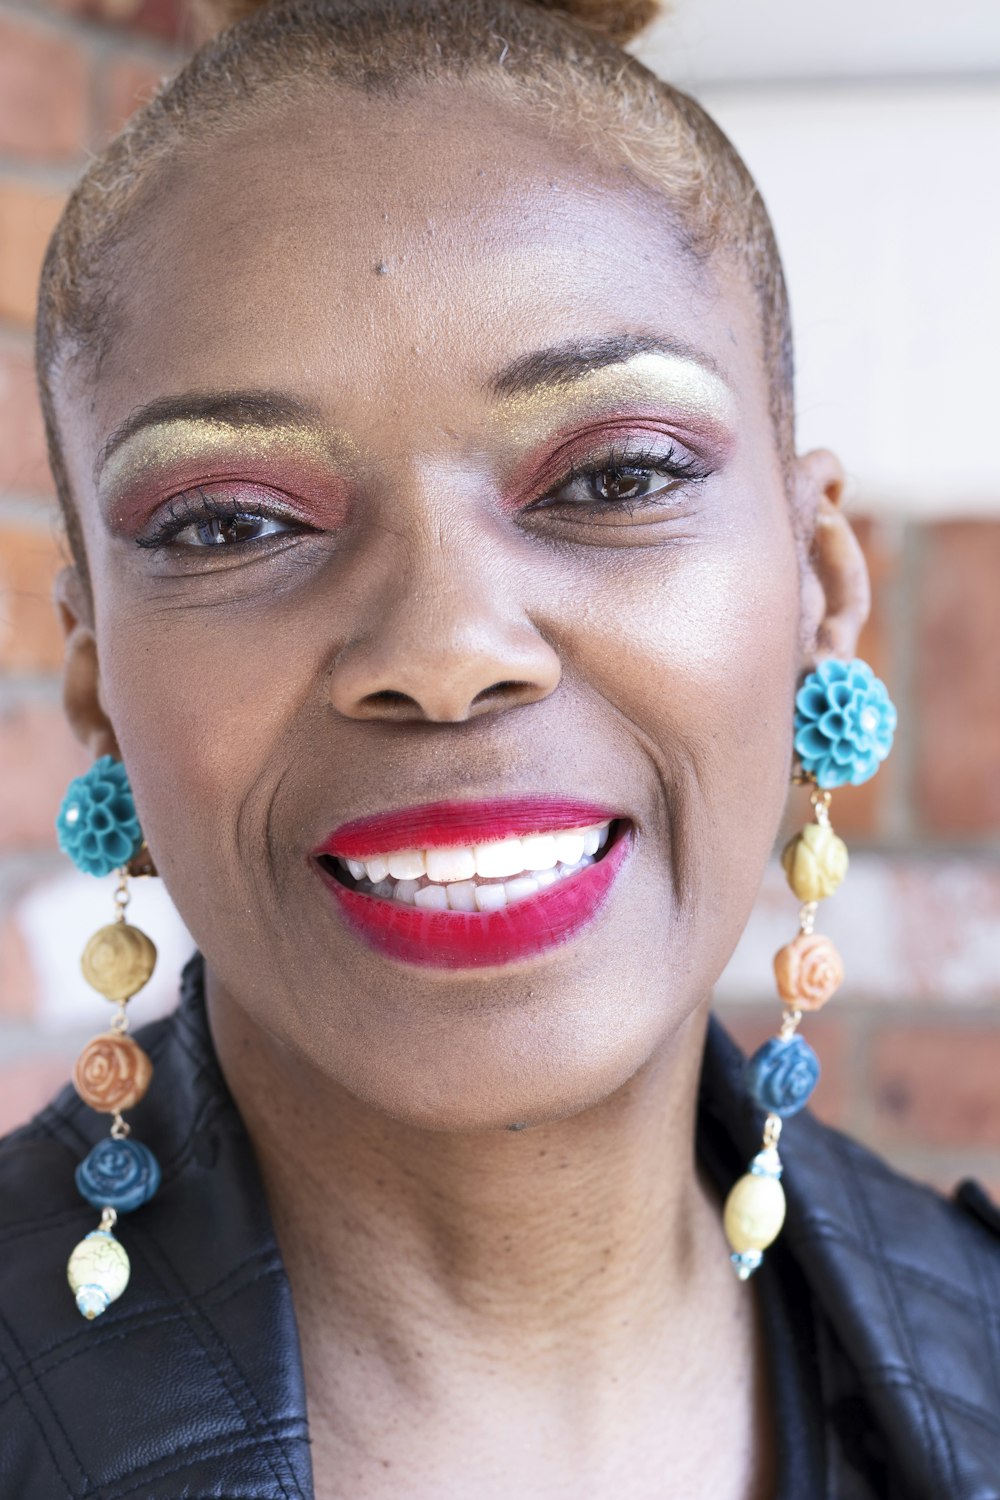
(808, 971)
(112, 1073)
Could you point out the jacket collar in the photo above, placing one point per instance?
(201, 1356)
(905, 1293)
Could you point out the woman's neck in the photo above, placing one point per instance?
(569, 1267)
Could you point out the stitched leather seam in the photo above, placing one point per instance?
(197, 1321)
(859, 1207)
(88, 1339)
(47, 1404)
(900, 1376)
(827, 1229)
(196, 1453)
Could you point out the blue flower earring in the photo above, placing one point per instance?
(844, 724)
(98, 828)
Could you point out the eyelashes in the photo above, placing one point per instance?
(217, 521)
(624, 479)
(619, 481)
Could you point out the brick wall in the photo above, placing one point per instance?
(911, 1048)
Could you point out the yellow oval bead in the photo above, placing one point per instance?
(754, 1213)
(118, 960)
(815, 862)
(98, 1272)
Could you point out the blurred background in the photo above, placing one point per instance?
(874, 133)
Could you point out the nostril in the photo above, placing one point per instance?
(499, 692)
(389, 698)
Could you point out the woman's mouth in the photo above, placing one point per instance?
(480, 900)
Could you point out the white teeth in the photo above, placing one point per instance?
(452, 878)
(462, 896)
(503, 858)
(406, 864)
(569, 847)
(431, 898)
(490, 897)
(518, 889)
(450, 864)
(539, 852)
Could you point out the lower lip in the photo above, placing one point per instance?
(481, 940)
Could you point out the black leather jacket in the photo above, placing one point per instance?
(191, 1385)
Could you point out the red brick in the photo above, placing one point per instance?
(23, 461)
(18, 984)
(27, 219)
(31, 637)
(166, 20)
(958, 679)
(44, 91)
(128, 83)
(936, 1084)
(27, 1086)
(829, 1034)
(859, 810)
(38, 758)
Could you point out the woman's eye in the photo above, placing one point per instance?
(612, 485)
(221, 531)
(624, 480)
(205, 518)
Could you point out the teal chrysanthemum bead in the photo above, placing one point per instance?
(97, 824)
(844, 723)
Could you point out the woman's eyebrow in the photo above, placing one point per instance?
(563, 364)
(228, 408)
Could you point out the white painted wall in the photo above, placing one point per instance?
(704, 42)
(886, 200)
(873, 130)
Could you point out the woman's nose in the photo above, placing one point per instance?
(445, 640)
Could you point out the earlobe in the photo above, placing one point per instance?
(81, 669)
(836, 593)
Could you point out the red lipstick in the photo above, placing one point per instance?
(473, 940)
(480, 940)
(441, 824)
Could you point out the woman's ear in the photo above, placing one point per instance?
(836, 593)
(81, 672)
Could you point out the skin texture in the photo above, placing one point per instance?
(550, 1311)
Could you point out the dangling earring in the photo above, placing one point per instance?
(844, 724)
(98, 828)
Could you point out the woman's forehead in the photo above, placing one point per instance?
(396, 248)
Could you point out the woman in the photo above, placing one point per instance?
(419, 387)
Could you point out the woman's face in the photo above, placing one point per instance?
(458, 485)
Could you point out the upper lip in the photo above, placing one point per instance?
(439, 824)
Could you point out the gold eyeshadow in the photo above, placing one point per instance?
(678, 386)
(184, 439)
(670, 383)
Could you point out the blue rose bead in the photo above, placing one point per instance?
(97, 824)
(844, 723)
(781, 1075)
(122, 1175)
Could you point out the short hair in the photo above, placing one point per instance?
(559, 62)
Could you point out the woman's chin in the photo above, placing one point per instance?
(506, 1068)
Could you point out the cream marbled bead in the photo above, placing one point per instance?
(98, 1272)
(754, 1212)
